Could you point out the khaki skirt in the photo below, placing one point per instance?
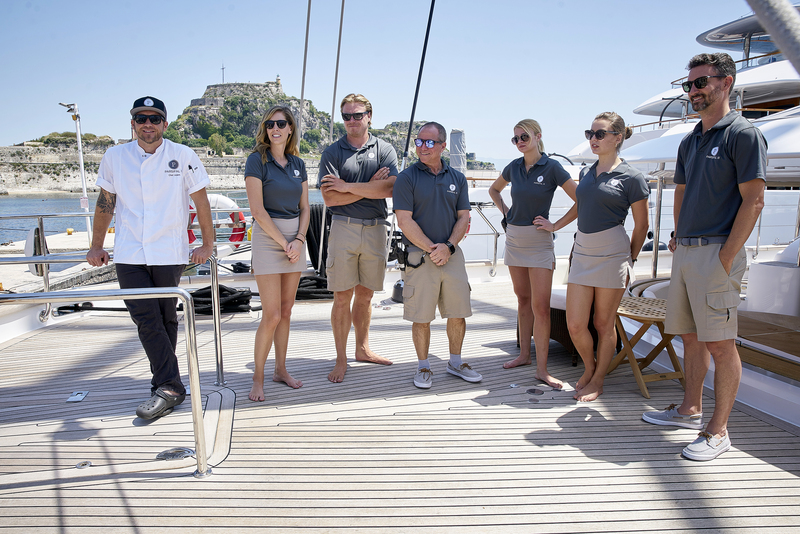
(601, 259)
(527, 246)
(268, 255)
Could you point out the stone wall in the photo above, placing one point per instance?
(56, 169)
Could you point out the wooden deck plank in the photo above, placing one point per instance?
(374, 453)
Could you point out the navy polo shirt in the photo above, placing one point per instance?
(712, 166)
(358, 165)
(532, 191)
(282, 187)
(604, 201)
(433, 200)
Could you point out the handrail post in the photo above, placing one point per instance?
(495, 233)
(201, 452)
(657, 222)
(215, 309)
(45, 270)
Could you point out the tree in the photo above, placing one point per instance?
(217, 143)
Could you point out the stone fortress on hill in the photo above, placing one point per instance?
(220, 126)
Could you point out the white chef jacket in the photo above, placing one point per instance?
(152, 208)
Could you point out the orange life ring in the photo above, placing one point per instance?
(237, 218)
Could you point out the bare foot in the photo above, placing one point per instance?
(337, 375)
(588, 393)
(545, 377)
(285, 377)
(519, 360)
(583, 380)
(257, 391)
(369, 357)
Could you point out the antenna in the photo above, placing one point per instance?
(223, 72)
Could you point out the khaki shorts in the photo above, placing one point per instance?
(356, 256)
(702, 297)
(428, 285)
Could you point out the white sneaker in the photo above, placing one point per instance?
(670, 417)
(464, 371)
(423, 378)
(707, 447)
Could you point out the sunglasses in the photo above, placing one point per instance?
(427, 142)
(599, 134)
(524, 138)
(700, 82)
(354, 116)
(280, 124)
(154, 119)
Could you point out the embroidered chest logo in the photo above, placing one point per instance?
(452, 189)
(540, 180)
(714, 152)
(296, 172)
(173, 164)
(613, 183)
(371, 156)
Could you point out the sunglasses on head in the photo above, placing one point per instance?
(427, 142)
(700, 82)
(154, 119)
(599, 134)
(354, 116)
(524, 138)
(281, 124)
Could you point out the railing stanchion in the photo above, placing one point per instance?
(215, 307)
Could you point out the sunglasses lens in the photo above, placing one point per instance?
(514, 140)
(141, 119)
(588, 134)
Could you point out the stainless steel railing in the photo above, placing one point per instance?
(203, 470)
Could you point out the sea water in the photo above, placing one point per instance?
(61, 202)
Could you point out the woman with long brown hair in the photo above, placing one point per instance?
(277, 189)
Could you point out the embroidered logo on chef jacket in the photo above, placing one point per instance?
(173, 168)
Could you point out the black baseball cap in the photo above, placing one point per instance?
(149, 103)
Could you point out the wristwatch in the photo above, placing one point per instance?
(451, 246)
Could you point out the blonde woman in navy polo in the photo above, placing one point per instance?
(603, 255)
(277, 189)
(530, 254)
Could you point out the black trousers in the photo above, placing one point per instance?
(156, 319)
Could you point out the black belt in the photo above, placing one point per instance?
(362, 222)
(701, 241)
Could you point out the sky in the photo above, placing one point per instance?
(489, 63)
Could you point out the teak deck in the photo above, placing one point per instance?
(372, 454)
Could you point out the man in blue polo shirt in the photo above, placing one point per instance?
(356, 175)
(719, 193)
(431, 203)
(148, 182)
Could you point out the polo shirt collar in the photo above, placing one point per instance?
(721, 124)
(542, 160)
(622, 168)
(422, 166)
(370, 142)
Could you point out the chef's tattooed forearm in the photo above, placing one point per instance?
(106, 202)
